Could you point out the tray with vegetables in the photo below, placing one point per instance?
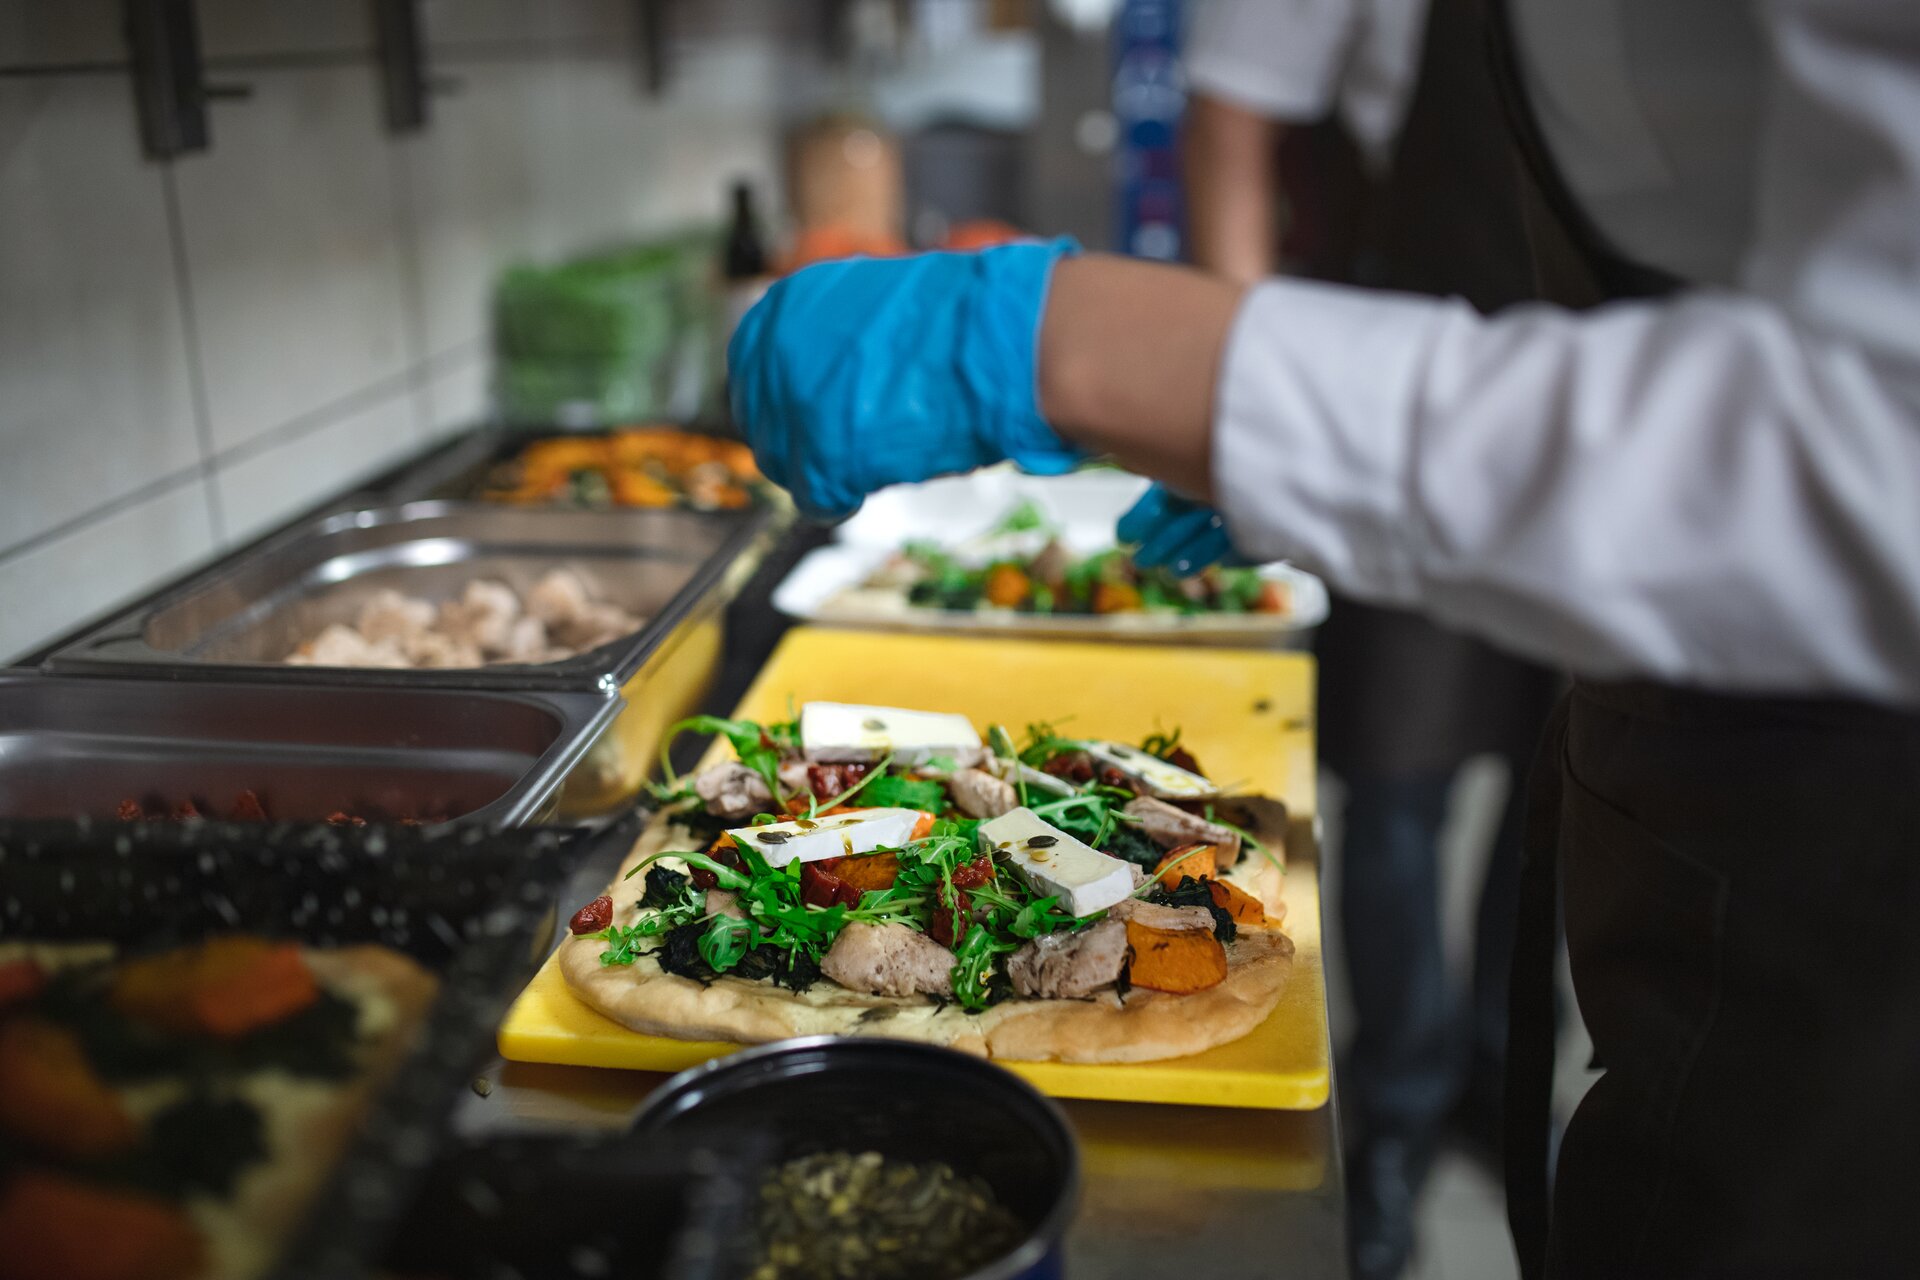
(1046, 896)
(226, 1050)
(1011, 553)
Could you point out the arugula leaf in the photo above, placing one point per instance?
(893, 791)
(726, 875)
(724, 943)
(1042, 915)
(1024, 517)
(758, 746)
(976, 971)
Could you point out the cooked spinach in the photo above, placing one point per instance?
(665, 887)
(1195, 893)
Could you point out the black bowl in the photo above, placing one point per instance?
(907, 1101)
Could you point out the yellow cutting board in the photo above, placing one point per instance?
(1246, 715)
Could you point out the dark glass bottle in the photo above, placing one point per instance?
(746, 255)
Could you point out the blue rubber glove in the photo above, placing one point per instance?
(851, 376)
(1176, 533)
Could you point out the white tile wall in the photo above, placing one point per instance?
(58, 583)
(468, 186)
(586, 25)
(41, 33)
(457, 392)
(195, 351)
(248, 28)
(96, 400)
(263, 488)
(291, 230)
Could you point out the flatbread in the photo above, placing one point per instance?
(1144, 1026)
(310, 1124)
(307, 1123)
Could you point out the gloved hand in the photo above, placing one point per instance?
(1176, 533)
(850, 376)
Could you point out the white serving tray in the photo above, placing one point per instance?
(957, 512)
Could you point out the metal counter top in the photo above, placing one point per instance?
(1212, 1192)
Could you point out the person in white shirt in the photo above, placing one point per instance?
(1705, 503)
(1403, 704)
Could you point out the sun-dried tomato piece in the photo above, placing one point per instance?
(1181, 758)
(1074, 766)
(20, 980)
(948, 925)
(724, 852)
(971, 875)
(186, 809)
(341, 818)
(829, 780)
(130, 811)
(819, 887)
(593, 917)
(247, 808)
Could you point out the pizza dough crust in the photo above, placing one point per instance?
(1147, 1025)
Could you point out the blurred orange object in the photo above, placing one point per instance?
(649, 466)
(983, 233)
(834, 240)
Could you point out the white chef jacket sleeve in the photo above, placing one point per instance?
(1720, 489)
(1699, 491)
(1279, 58)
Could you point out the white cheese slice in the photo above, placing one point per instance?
(846, 731)
(1085, 879)
(1166, 781)
(1036, 779)
(839, 836)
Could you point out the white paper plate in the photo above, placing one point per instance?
(957, 512)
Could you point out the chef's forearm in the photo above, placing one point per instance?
(1129, 354)
(1231, 179)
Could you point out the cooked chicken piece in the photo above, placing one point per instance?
(527, 641)
(793, 774)
(432, 649)
(342, 646)
(595, 624)
(731, 790)
(1066, 966)
(483, 616)
(981, 795)
(723, 902)
(888, 960)
(559, 597)
(388, 615)
(1170, 828)
(1155, 916)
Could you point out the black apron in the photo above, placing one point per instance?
(1740, 882)
(1400, 695)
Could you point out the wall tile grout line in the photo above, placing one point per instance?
(412, 283)
(306, 424)
(47, 70)
(196, 367)
(147, 492)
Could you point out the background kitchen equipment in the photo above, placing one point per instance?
(75, 747)
(567, 1206)
(674, 569)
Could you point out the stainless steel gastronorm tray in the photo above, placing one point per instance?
(241, 619)
(77, 748)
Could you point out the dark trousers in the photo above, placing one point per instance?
(1741, 889)
(1419, 1045)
